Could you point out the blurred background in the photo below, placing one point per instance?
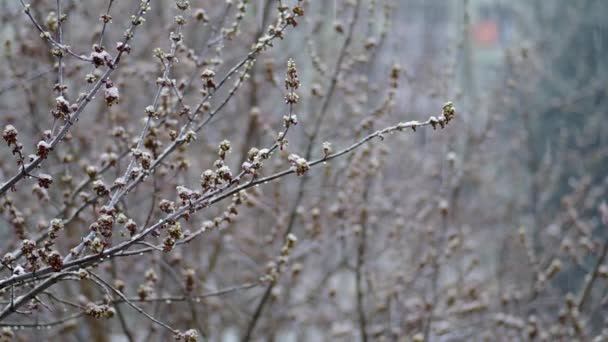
(491, 229)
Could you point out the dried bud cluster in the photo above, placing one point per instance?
(55, 260)
(290, 120)
(448, 113)
(292, 83)
(299, 164)
(63, 108)
(207, 76)
(187, 336)
(100, 188)
(10, 134)
(174, 233)
(255, 160)
(111, 94)
(101, 57)
(223, 149)
(43, 149)
(222, 174)
(100, 311)
(45, 180)
(103, 225)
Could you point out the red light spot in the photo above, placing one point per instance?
(486, 33)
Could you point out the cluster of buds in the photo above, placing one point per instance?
(54, 260)
(45, 180)
(100, 188)
(60, 88)
(151, 112)
(111, 94)
(290, 120)
(131, 227)
(370, 43)
(28, 249)
(208, 179)
(183, 5)
(63, 108)
(299, 164)
(282, 140)
(8, 259)
(91, 77)
(166, 206)
(187, 336)
(207, 76)
(27, 246)
(274, 268)
(223, 149)
(448, 113)
(174, 233)
(99, 311)
(266, 40)
(103, 225)
(123, 47)
(189, 137)
(222, 173)
(52, 21)
(290, 17)
(176, 36)
(97, 245)
(10, 135)
(43, 149)
(56, 227)
(292, 83)
(100, 57)
(290, 243)
(144, 291)
(145, 160)
(255, 157)
(137, 20)
(187, 195)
